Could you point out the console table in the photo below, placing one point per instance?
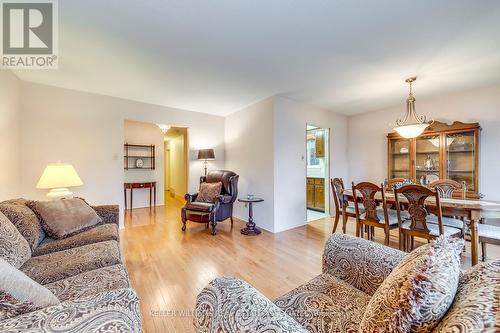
(145, 185)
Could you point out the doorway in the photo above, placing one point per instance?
(318, 172)
(176, 163)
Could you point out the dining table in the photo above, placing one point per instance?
(473, 211)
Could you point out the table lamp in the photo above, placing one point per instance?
(206, 154)
(58, 177)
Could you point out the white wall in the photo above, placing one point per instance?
(249, 153)
(87, 130)
(136, 132)
(10, 136)
(290, 170)
(367, 134)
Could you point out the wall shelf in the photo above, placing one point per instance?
(134, 152)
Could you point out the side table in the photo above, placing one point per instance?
(251, 229)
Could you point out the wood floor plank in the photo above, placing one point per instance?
(168, 268)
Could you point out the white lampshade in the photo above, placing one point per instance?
(58, 177)
(411, 131)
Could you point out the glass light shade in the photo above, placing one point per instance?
(59, 175)
(164, 128)
(411, 131)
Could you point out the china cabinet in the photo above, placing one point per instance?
(442, 152)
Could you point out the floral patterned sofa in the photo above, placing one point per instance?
(84, 271)
(335, 301)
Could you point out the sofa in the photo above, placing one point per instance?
(84, 271)
(335, 301)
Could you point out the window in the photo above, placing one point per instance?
(311, 152)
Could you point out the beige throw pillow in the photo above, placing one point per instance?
(14, 248)
(418, 292)
(65, 217)
(208, 192)
(19, 294)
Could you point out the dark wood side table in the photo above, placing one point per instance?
(251, 229)
(145, 185)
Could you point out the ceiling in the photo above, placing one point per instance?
(217, 56)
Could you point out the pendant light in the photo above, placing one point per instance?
(411, 125)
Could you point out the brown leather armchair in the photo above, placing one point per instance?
(218, 211)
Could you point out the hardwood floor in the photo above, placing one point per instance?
(168, 268)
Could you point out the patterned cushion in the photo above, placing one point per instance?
(90, 283)
(100, 233)
(418, 292)
(25, 221)
(116, 311)
(361, 263)
(61, 265)
(19, 294)
(108, 213)
(13, 247)
(209, 191)
(391, 213)
(65, 217)
(325, 304)
(476, 307)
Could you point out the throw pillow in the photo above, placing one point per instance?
(65, 217)
(25, 221)
(418, 292)
(19, 294)
(208, 192)
(13, 247)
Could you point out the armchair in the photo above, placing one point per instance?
(212, 212)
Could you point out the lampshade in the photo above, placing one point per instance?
(206, 154)
(59, 175)
(411, 131)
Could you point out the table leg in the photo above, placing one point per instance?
(125, 195)
(131, 195)
(150, 197)
(474, 238)
(251, 229)
(154, 186)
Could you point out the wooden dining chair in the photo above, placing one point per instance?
(392, 183)
(447, 187)
(416, 223)
(342, 206)
(373, 216)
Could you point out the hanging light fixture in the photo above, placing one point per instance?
(164, 128)
(411, 125)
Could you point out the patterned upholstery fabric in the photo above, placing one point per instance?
(362, 264)
(418, 292)
(232, 305)
(90, 283)
(476, 307)
(325, 304)
(25, 221)
(100, 233)
(115, 311)
(61, 265)
(108, 213)
(391, 213)
(19, 294)
(209, 191)
(14, 248)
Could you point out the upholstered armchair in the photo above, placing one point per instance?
(212, 212)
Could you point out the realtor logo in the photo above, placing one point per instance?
(29, 34)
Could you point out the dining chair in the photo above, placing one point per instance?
(392, 183)
(417, 220)
(446, 188)
(342, 206)
(373, 216)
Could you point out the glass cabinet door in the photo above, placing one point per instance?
(399, 155)
(460, 158)
(427, 159)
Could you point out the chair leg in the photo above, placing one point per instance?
(412, 243)
(232, 220)
(344, 222)
(214, 225)
(337, 218)
(387, 233)
(206, 225)
(483, 251)
(400, 240)
(183, 224)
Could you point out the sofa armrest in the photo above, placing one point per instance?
(363, 264)
(108, 213)
(114, 311)
(224, 199)
(190, 197)
(232, 305)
